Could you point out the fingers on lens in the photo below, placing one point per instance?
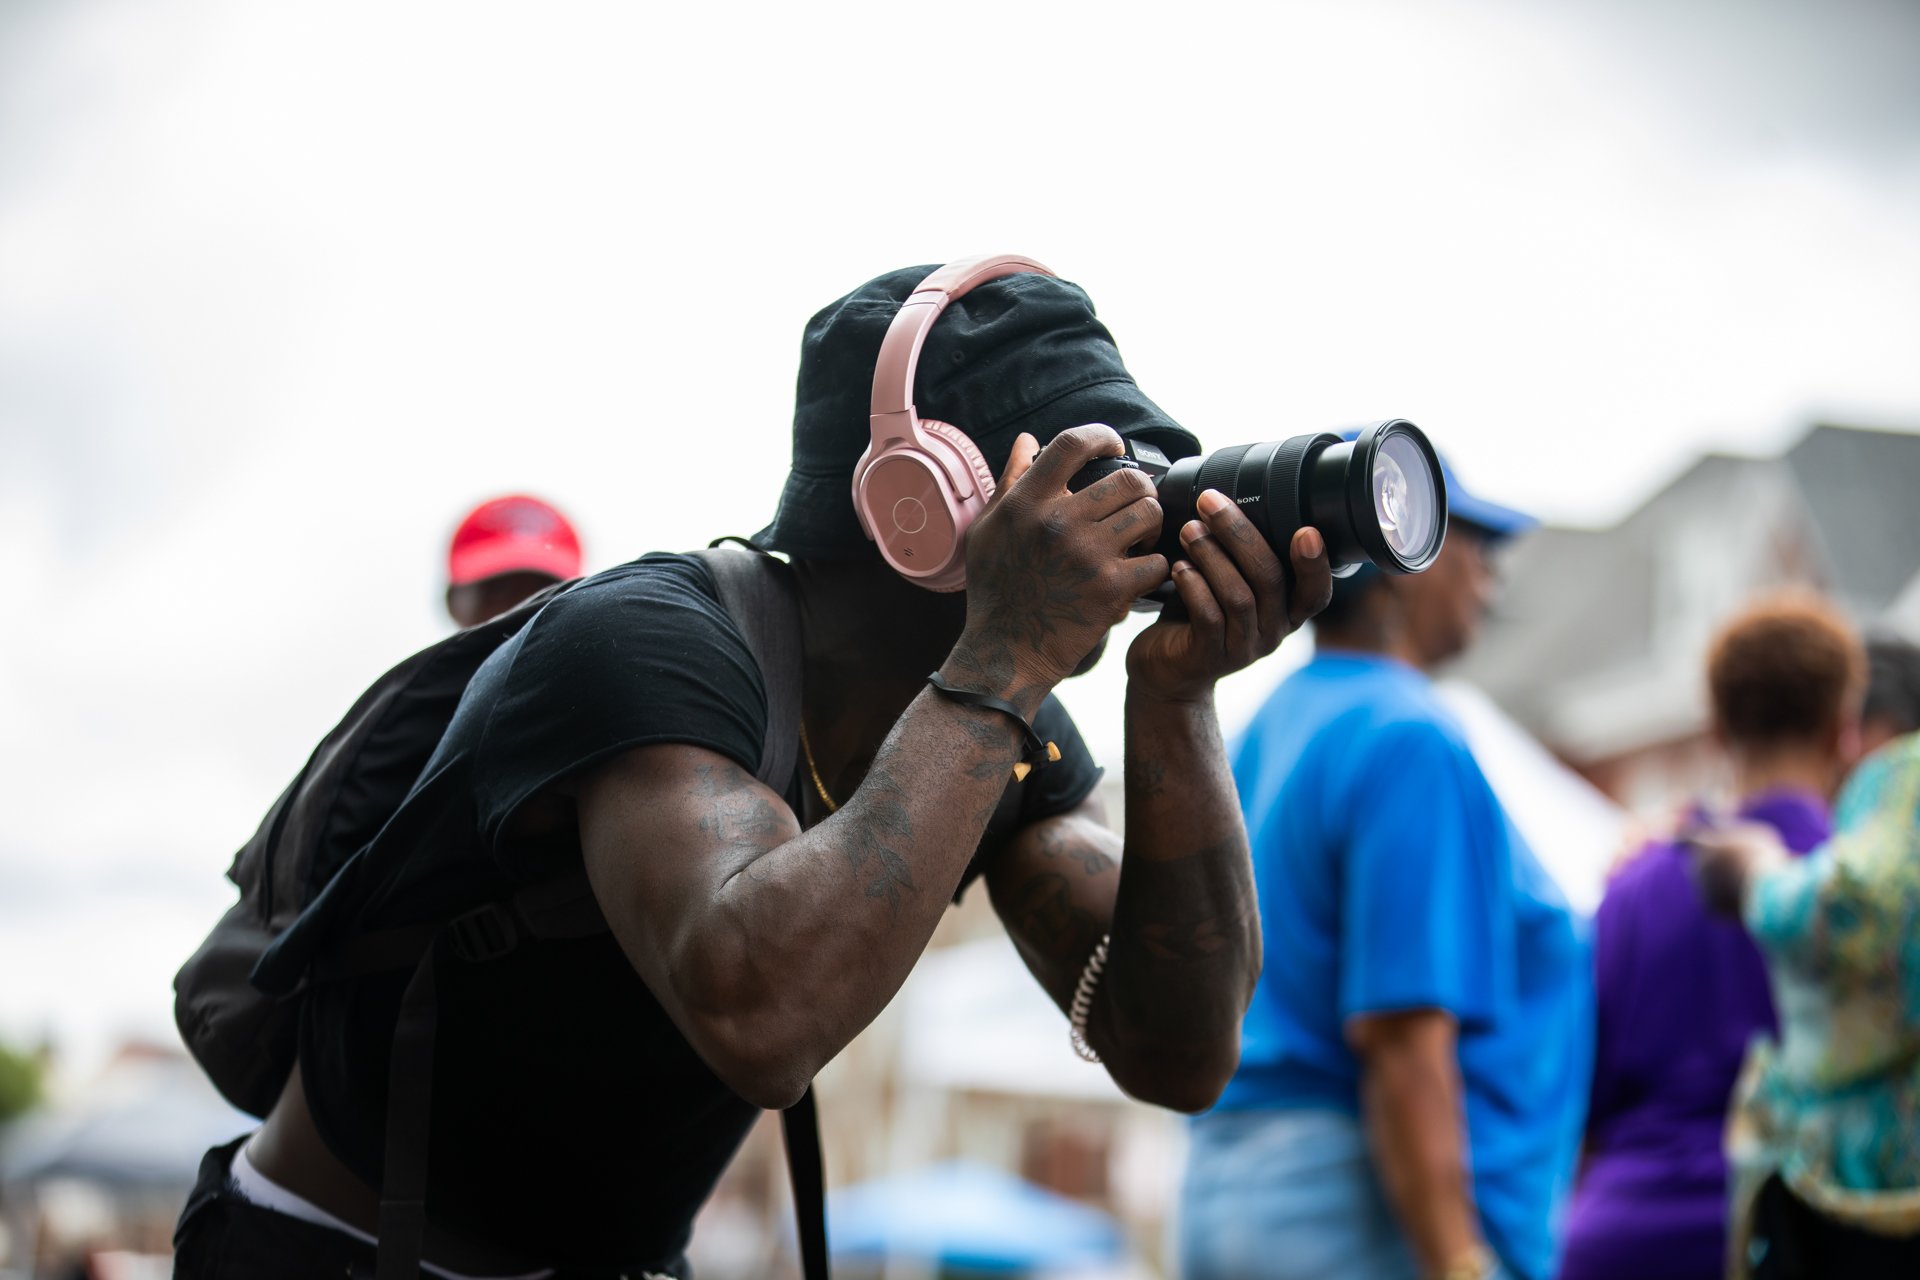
(1250, 546)
(1229, 587)
(1260, 570)
(1203, 611)
(1312, 581)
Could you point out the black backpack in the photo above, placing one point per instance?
(245, 1038)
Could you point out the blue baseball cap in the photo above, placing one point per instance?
(1490, 518)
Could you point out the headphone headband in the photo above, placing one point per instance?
(891, 407)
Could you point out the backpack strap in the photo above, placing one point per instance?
(758, 594)
(403, 1176)
(800, 1126)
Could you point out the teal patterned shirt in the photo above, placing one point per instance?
(1836, 1106)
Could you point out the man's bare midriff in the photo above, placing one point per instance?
(288, 1152)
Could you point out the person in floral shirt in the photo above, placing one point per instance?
(1826, 1129)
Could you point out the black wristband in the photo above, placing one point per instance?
(1039, 753)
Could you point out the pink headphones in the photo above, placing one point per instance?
(921, 483)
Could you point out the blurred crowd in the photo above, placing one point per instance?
(1445, 1073)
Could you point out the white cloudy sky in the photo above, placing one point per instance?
(283, 288)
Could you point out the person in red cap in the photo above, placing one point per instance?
(504, 551)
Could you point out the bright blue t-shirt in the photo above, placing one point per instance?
(1391, 878)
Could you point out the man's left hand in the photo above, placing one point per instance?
(1238, 608)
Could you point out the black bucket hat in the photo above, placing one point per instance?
(1020, 353)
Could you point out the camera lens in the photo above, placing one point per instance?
(1377, 499)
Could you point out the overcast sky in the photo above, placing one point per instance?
(285, 288)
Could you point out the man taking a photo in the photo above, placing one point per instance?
(588, 1092)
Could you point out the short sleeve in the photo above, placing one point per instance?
(1425, 881)
(639, 656)
(1784, 909)
(1846, 912)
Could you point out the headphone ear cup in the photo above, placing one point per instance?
(910, 501)
(859, 494)
(982, 473)
(966, 510)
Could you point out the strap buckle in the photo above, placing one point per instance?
(485, 933)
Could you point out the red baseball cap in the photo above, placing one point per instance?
(511, 535)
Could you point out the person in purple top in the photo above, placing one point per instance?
(1680, 993)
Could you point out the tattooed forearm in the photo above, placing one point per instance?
(987, 730)
(1184, 977)
(1180, 918)
(873, 847)
(1185, 946)
(1045, 915)
(986, 665)
(1146, 776)
(1060, 842)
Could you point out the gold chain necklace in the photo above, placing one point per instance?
(814, 769)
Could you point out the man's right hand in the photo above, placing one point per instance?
(1049, 571)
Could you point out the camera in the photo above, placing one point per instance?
(1378, 499)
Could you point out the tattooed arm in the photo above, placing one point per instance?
(1185, 948)
(769, 947)
(1180, 908)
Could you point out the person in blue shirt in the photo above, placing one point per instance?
(1412, 1079)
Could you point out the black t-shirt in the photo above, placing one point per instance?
(572, 1122)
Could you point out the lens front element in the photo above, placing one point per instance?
(1405, 497)
(1380, 499)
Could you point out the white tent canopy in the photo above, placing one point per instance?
(1574, 829)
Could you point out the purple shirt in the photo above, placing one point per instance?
(1680, 993)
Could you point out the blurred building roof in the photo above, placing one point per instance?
(1596, 644)
(1862, 489)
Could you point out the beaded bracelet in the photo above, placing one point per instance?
(1082, 1005)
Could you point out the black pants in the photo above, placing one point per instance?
(224, 1237)
(1793, 1241)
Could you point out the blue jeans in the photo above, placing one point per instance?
(1286, 1195)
